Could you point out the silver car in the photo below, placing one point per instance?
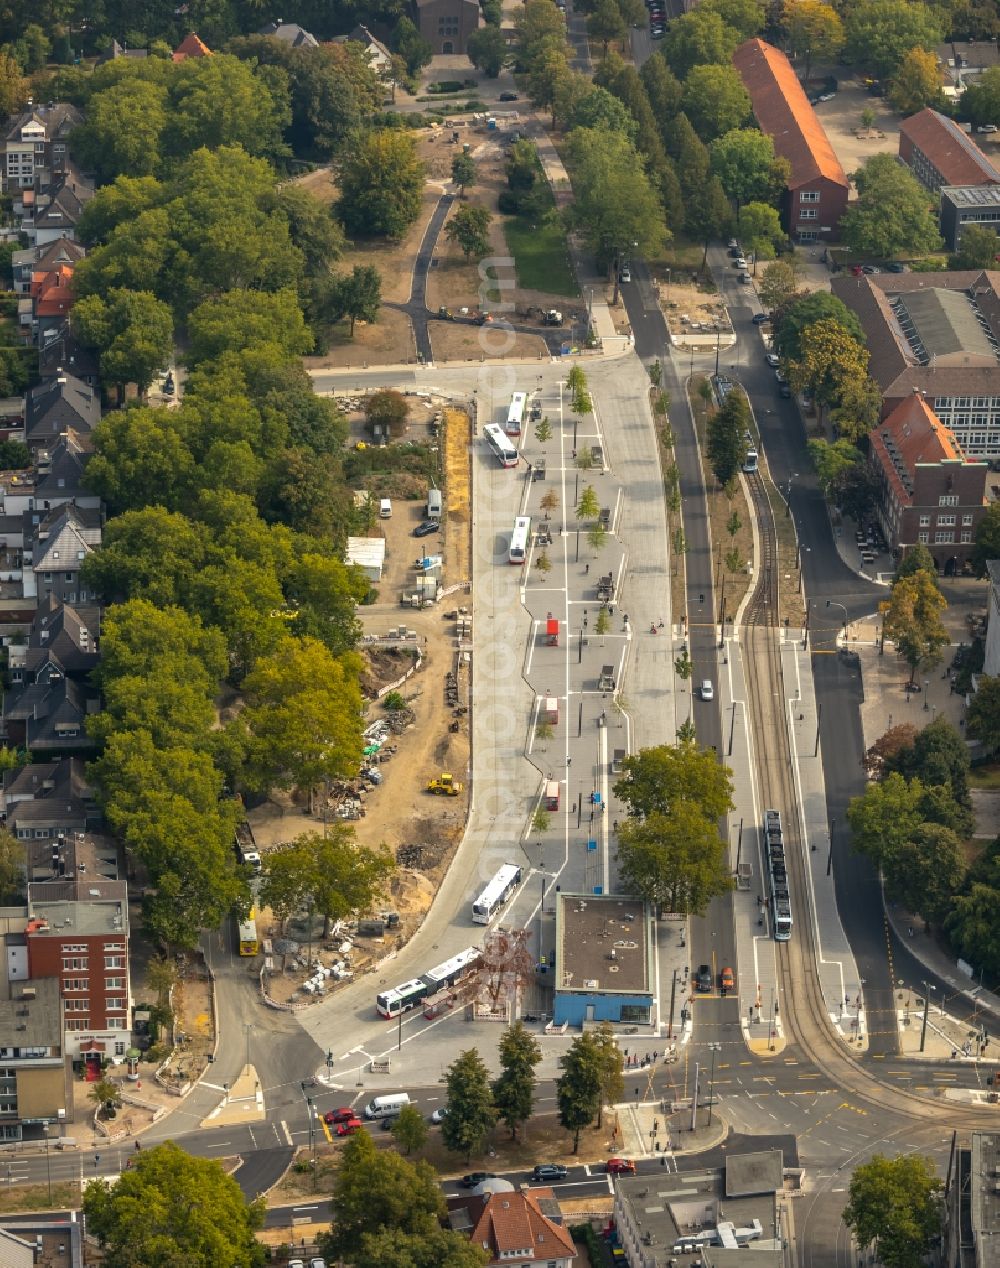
(707, 690)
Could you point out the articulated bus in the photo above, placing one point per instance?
(497, 894)
(519, 538)
(515, 414)
(503, 450)
(408, 995)
(247, 934)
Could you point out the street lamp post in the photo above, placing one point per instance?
(928, 987)
(715, 1047)
(927, 703)
(788, 494)
(829, 857)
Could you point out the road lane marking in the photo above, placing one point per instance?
(288, 1134)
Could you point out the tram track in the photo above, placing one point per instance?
(804, 1010)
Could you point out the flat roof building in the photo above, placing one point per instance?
(604, 956)
(368, 554)
(963, 205)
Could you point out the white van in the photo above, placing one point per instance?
(385, 509)
(434, 504)
(387, 1106)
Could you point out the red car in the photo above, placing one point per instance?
(349, 1127)
(342, 1115)
(727, 981)
(621, 1167)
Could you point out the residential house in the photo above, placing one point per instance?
(589, 986)
(190, 46)
(963, 205)
(78, 936)
(516, 1229)
(35, 1073)
(816, 195)
(41, 259)
(59, 632)
(58, 476)
(51, 299)
(715, 1214)
(928, 493)
(61, 541)
(379, 57)
(962, 62)
(48, 800)
(61, 353)
(57, 213)
(447, 24)
(938, 152)
(991, 663)
(61, 404)
(35, 145)
(937, 334)
(116, 50)
(290, 33)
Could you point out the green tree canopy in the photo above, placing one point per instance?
(745, 163)
(978, 249)
(714, 98)
(133, 333)
(578, 1089)
(912, 619)
(829, 357)
(893, 213)
(983, 717)
(514, 1090)
(895, 1203)
(171, 1208)
(981, 100)
(879, 34)
(698, 38)
(381, 184)
(793, 319)
(676, 861)
(657, 778)
(471, 1112)
(614, 205)
(488, 51)
(603, 110)
(815, 31)
(469, 226)
(727, 445)
(917, 83)
(987, 545)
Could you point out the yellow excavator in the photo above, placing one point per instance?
(445, 786)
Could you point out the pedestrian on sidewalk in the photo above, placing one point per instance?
(586, 569)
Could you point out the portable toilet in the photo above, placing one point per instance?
(550, 710)
(551, 794)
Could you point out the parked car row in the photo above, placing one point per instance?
(657, 18)
(704, 981)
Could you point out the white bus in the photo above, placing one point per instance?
(447, 974)
(515, 414)
(497, 440)
(410, 994)
(496, 894)
(519, 538)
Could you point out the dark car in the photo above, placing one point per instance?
(475, 1177)
(703, 978)
(508, 96)
(760, 319)
(426, 528)
(895, 267)
(549, 1171)
(784, 389)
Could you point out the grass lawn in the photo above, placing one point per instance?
(541, 256)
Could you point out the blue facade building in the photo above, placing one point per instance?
(604, 960)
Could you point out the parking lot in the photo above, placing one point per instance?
(841, 117)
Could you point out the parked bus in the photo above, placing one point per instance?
(247, 934)
(402, 998)
(519, 538)
(503, 450)
(515, 414)
(497, 894)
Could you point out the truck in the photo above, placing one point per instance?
(551, 799)
(606, 588)
(606, 682)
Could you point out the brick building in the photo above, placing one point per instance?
(938, 152)
(938, 334)
(816, 196)
(447, 24)
(929, 493)
(78, 934)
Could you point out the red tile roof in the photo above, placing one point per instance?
(52, 291)
(191, 46)
(511, 1224)
(915, 435)
(782, 110)
(951, 151)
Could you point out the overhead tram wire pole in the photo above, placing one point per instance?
(832, 603)
(927, 1003)
(715, 1047)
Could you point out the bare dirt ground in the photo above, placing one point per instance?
(421, 830)
(453, 342)
(690, 310)
(388, 341)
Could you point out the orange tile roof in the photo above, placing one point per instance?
(52, 291)
(955, 155)
(191, 46)
(918, 436)
(513, 1223)
(782, 110)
